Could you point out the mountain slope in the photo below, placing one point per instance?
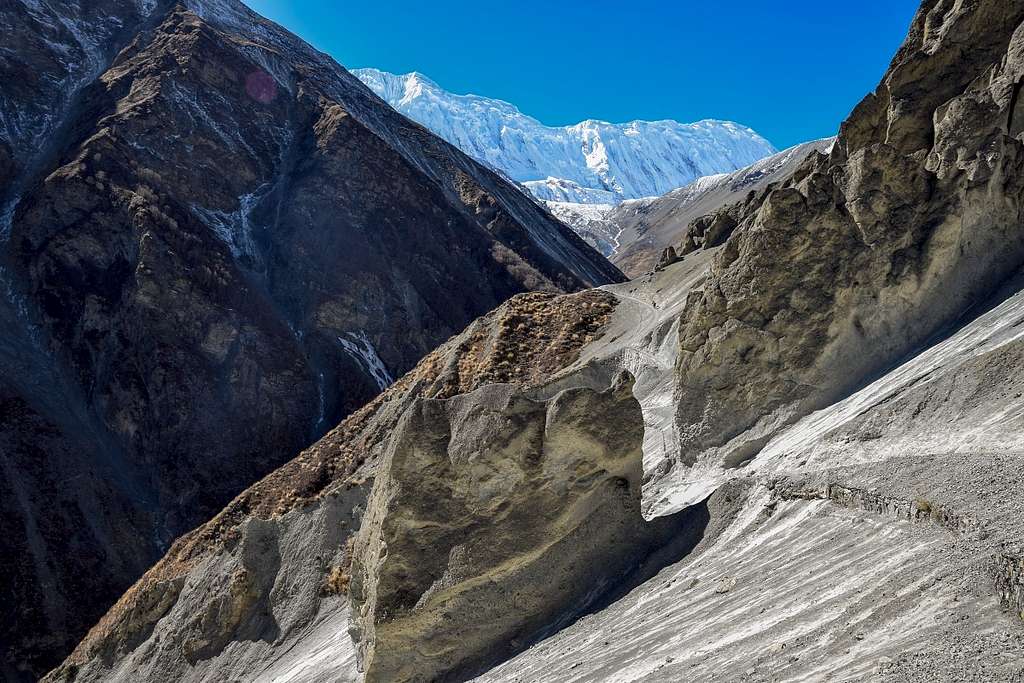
(590, 162)
(645, 227)
(829, 395)
(216, 243)
(635, 232)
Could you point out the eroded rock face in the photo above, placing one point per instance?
(270, 572)
(226, 245)
(645, 227)
(859, 257)
(495, 515)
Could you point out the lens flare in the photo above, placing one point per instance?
(261, 87)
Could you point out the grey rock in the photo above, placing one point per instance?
(493, 516)
(861, 256)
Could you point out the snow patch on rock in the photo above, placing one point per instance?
(234, 228)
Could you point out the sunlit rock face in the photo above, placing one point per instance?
(215, 243)
(866, 252)
(493, 516)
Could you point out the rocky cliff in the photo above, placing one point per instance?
(863, 254)
(830, 415)
(215, 244)
(641, 229)
(263, 542)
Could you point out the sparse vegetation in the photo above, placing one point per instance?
(338, 578)
(336, 582)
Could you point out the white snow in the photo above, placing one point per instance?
(592, 212)
(620, 161)
(360, 348)
(559, 190)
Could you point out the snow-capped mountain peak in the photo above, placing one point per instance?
(592, 162)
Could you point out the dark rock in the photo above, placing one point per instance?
(227, 245)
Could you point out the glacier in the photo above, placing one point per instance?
(591, 162)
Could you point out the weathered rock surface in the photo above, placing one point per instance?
(494, 516)
(864, 254)
(214, 244)
(144, 634)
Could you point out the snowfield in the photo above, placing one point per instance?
(592, 162)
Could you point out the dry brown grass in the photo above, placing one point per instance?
(338, 578)
(526, 341)
(336, 582)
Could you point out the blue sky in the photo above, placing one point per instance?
(791, 70)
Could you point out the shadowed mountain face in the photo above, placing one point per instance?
(214, 244)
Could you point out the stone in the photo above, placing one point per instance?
(668, 257)
(859, 256)
(493, 515)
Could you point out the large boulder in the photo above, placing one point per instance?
(270, 574)
(494, 516)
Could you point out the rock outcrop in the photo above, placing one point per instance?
(494, 516)
(214, 244)
(867, 252)
(308, 509)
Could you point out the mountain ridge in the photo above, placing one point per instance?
(629, 160)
